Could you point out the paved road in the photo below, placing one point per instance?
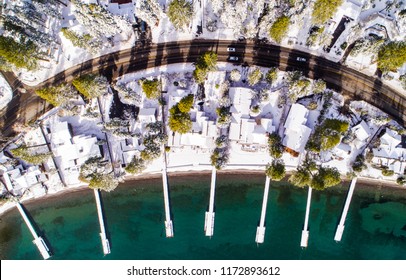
(353, 84)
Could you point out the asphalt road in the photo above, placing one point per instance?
(353, 84)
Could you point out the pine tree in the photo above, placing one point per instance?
(180, 13)
(276, 170)
(91, 86)
(151, 88)
(254, 76)
(324, 9)
(279, 28)
(56, 95)
(21, 55)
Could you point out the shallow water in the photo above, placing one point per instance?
(134, 216)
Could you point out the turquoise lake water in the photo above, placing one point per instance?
(134, 214)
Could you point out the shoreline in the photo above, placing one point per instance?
(363, 182)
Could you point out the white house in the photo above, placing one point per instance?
(203, 133)
(18, 180)
(70, 152)
(241, 101)
(147, 115)
(296, 132)
(362, 132)
(390, 152)
(129, 147)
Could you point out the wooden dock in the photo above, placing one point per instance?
(168, 219)
(340, 227)
(103, 236)
(38, 241)
(305, 232)
(260, 236)
(209, 217)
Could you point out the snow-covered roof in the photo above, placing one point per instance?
(351, 9)
(267, 125)
(247, 129)
(3, 157)
(241, 99)
(296, 133)
(378, 20)
(129, 144)
(391, 139)
(128, 156)
(147, 115)
(361, 131)
(296, 139)
(234, 133)
(17, 182)
(194, 139)
(297, 116)
(59, 133)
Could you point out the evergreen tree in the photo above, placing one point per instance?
(137, 165)
(56, 95)
(272, 75)
(105, 182)
(81, 41)
(275, 145)
(276, 170)
(324, 9)
(205, 63)
(91, 86)
(300, 178)
(21, 55)
(29, 155)
(179, 121)
(186, 103)
(254, 76)
(235, 75)
(279, 29)
(151, 88)
(180, 13)
(391, 56)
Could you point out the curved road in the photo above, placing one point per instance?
(353, 84)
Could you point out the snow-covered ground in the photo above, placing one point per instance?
(6, 94)
(227, 20)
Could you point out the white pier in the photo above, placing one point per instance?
(38, 241)
(259, 238)
(209, 219)
(305, 232)
(168, 220)
(340, 227)
(104, 240)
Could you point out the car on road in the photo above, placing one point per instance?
(233, 58)
(231, 49)
(302, 59)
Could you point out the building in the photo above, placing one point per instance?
(147, 115)
(202, 135)
(390, 152)
(17, 180)
(296, 132)
(361, 132)
(70, 152)
(129, 148)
